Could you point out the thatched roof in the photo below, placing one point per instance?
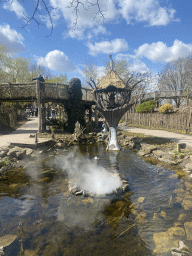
(111, 79)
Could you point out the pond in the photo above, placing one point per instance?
(148, 218)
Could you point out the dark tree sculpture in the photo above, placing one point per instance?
(75, 109)
(112, 97)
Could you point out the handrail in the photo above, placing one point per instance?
(49, 90)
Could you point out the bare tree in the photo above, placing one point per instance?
(43, 9)
(176, 77)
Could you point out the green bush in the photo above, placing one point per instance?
(166, 108)
(146, 107)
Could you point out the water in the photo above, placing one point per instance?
(54, 222)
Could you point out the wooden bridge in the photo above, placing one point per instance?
(168, 94)
(42, 92)
(49, 92)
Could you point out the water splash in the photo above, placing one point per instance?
(87, 175)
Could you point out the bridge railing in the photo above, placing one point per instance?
(50, 91)
(17, 91)
(167, 94)
(56, 91)
(87, 94)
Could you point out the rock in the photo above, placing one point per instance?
(167, 161)
(182, 246)
(158, 153)
(21, 153)
(141, 199)
(176, 231)
(150, 149)
(156, 216)
(29, 151)
(188, 230)
(141, 217)
(3, 153)
(136, 140)
(179, 199)
(79, 193)
(188, 167)
(7, 240)
(187, 204)
(164, 242)
(30, 253)
(182, 217)
(12, 152)
(141, 153)
(181, 250)
(163, 214)
(4, 169)
(173, 253)
(188, 185)
(177, 224)
(60, 144)
(137, 146)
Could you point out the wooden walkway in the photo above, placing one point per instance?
(49, 92)
(42, 92)
(168, 94)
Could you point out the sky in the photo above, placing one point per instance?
(147, 33)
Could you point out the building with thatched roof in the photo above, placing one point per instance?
(111, 82)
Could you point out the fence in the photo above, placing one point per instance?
(177, 121)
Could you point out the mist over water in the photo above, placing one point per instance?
(87, 175)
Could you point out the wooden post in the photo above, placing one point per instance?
(9, 84)
(43, 115)
(90, 113)
(56, 90)
(96, 118)
(38, 95)
(187, 96)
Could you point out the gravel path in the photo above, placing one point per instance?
(22, 134)
(179, 138)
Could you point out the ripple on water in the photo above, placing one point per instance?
(55, 222)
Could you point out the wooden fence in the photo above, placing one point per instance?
(177, 121)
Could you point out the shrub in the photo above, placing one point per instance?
(166, 108)
(146, 107)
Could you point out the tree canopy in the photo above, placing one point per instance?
(176, 76)
(22, 70)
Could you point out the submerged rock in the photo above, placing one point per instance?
(164, 242)
(182, 250)
(188, 230)
(5, 241)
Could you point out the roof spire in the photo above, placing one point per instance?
(112, 63)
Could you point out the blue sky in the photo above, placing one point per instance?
(147, 33)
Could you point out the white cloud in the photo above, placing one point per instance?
(148, 11)
(114, 46)
(10, 38)
(87, 18)
(138, 66)
(15, 6)
(135, 64)
(160, 52)
(57, 60)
